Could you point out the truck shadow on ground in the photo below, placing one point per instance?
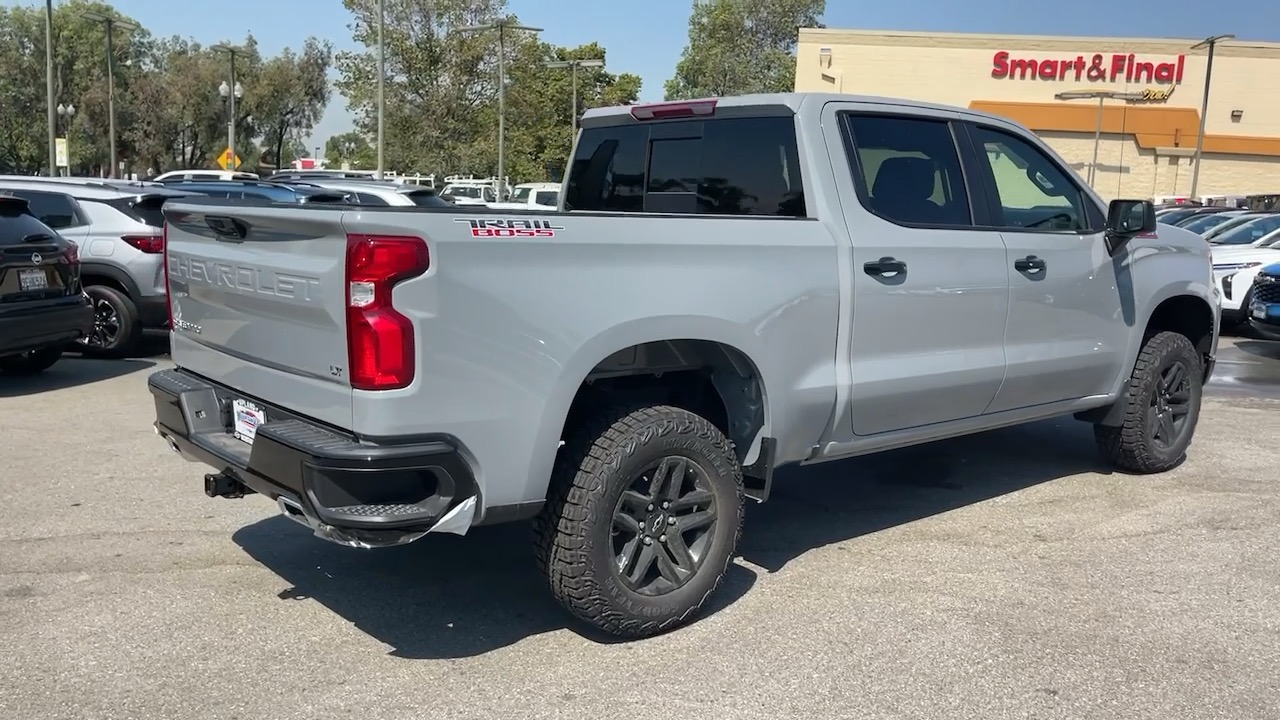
(452, 597)
(71, 371)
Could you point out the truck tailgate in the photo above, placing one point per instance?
(258, 300)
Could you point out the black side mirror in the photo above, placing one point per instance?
(1127, 219)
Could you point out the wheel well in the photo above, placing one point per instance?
(711, 379)
(1186, 315)
(105, 280)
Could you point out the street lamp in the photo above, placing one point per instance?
(574, 65)
(67, 112)
(502, 25)
(1211, 43)
(225, 90)
(1101, 96)
(111, 23)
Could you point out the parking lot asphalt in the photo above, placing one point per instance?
(1004, 575)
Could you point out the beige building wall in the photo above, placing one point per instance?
(1147, 146)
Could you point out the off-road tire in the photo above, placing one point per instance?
(600, 459)
(30, 363)
(1129, 446)
(129, 335)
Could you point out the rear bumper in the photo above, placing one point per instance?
(348, 491)
(45, 324)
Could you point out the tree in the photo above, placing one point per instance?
(742, 46)
(292, 92)
(351, 147)
(441, 89)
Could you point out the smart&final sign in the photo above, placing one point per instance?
(1099, 68)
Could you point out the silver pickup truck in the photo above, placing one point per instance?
(729, 286)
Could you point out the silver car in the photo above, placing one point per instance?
(120, 232)
(379, 193)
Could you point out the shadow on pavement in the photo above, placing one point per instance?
(452, 597)
(1269, 349)
(441, 597)
(70, 371)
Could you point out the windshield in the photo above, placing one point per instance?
(1173, 216)
(1234, 222)
(521, 194)
(467, 191)
(1249, 232)
(1200, 224)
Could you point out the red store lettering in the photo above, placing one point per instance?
(1093, 68)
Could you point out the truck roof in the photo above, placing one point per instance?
(793, 101)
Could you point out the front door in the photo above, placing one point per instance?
(930, 290)
(1069, 319)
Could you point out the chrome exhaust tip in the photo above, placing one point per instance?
(292, 510)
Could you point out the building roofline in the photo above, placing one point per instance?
(953, 39)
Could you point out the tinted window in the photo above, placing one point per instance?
(1249, 232)
(54, 209)
(1207, 222)
(16, 223)
(1032, 192)
(608, 170)
(367, 199)
(909, 170)
(735, 166)
(426, 198)
(546, 197)
(520, 194)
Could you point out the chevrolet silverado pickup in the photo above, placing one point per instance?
(728, 286)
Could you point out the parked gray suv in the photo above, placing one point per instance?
(120, 232)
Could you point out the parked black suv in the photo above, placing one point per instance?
(42, 306)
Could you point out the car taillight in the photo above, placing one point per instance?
(380, 345)
(168, 289)
(664, 111)
(150, 244)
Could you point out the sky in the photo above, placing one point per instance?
(646, 38)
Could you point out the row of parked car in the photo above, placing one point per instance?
(1244, 242)
(91, 252)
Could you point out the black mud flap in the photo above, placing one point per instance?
(757, 478)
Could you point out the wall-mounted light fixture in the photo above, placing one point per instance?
(824, 57)
(1236, 115)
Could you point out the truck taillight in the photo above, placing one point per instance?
(380, 345)
(678, 109)
(150, 244)
(168, 289)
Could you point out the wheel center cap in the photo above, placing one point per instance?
(656, 523)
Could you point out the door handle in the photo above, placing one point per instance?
(1029, 264)
(884, 267)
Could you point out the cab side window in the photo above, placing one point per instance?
(908, 170)
(1031, 191)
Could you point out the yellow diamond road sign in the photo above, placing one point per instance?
(228, 160)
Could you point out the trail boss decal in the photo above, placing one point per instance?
(504, 227)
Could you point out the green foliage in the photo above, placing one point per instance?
(168, 110)
(351, 147)
(441, 105)
(738, 47)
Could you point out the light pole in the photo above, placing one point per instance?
(48, 82)
(382, 75)
(502, 25)
(574, 65)
(233, 92)
(1101, 96)
(67, 112)
(1211, 43)
(110, 23)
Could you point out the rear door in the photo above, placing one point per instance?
(930, 289)
(258, 301)
(1067, 336)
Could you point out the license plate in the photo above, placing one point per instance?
(246, 417)
(32, 279)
